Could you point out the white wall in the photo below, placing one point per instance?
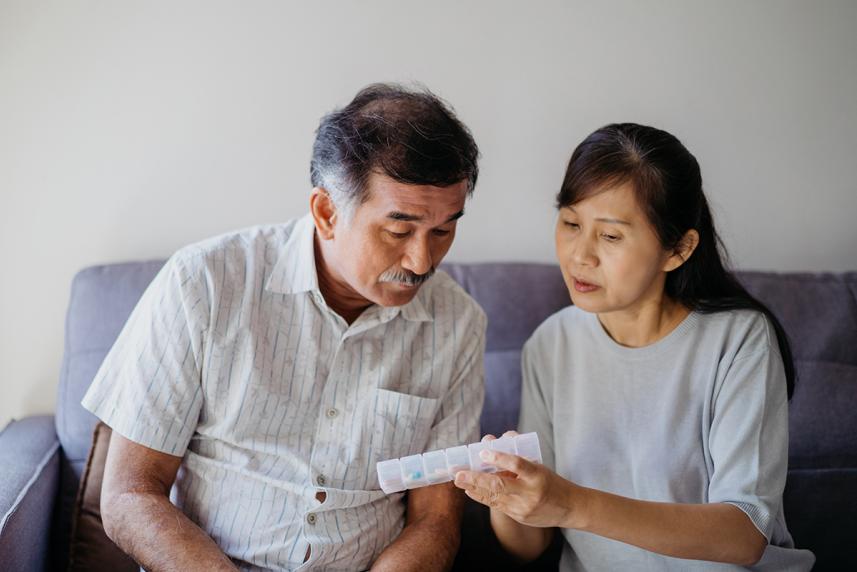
(128, 129)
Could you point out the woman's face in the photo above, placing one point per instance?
(610, 256)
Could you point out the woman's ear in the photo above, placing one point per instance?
(683, 250)
(323, 212)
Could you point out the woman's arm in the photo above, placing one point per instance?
(524, 543)
(535, 496)
(719, 532)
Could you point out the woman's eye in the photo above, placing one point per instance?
(571, 225)
(610, 237)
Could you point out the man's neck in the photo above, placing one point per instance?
(337, 294)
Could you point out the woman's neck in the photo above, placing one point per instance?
(645, 323)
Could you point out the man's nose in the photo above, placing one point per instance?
(418, 257)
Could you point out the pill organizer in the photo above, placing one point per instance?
(396, 475)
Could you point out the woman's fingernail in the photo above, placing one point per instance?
(486, 455)
(462, 478)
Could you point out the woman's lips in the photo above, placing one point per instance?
(584, 287)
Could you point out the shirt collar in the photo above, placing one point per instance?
(295, 272)
(415, 310)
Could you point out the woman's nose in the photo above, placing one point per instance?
(583, 253)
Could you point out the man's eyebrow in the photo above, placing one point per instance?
(456, 216)
(397, 215)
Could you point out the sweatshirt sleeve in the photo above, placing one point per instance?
(748, 438)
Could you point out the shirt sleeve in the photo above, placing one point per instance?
(535, 414)
(148, 389)
(457, 422)
(748, 438)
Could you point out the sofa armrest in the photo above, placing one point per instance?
(29, 478)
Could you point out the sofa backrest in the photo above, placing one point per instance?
(819, 312)
(102, 298)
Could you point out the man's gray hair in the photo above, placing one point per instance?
(411, 136)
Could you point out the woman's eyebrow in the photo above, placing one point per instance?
(613, 221)
(603, 219)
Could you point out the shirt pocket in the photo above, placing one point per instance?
(401, 423)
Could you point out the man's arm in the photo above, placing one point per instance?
(432, 531)
(139, 517)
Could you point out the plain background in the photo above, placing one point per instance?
(128, 129)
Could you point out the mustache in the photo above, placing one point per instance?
(402, 276)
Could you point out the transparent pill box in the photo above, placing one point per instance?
(396, 475)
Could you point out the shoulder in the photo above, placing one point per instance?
(444, 297)
(230, 255)
(743, 332)
(559, 328)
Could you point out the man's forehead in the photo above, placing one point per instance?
(417, 203)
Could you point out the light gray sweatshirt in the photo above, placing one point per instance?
(701, 416)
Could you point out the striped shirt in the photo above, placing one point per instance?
(233, 361)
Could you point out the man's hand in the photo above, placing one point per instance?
(139, 517)
(432, 531)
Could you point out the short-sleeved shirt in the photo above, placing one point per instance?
(233, 361)
(701, 416)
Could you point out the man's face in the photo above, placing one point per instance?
(394, 240)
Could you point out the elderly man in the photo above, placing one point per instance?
(265, 372)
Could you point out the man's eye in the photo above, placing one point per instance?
(399, 235)
(440, 232)
(610, 237)
(571, 225)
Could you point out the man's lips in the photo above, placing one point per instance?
(584, 287)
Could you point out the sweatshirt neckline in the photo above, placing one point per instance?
(675, 336)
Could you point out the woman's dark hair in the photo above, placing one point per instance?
(409, 135)
(668, 185)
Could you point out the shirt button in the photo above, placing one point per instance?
(310, 518)
(331, 413)
(321, 480)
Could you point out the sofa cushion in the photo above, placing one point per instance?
(517, 297)
(818, 311)
(502, 391)
(29, 476)
(90, 548)
(823, 417)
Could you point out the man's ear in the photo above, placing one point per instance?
(683, 250)
(323, 213)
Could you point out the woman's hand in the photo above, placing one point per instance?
(527, 492)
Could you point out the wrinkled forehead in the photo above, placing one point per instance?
(388, 198)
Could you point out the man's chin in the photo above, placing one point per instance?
(395, 294)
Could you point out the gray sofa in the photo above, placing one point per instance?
(42, 457)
